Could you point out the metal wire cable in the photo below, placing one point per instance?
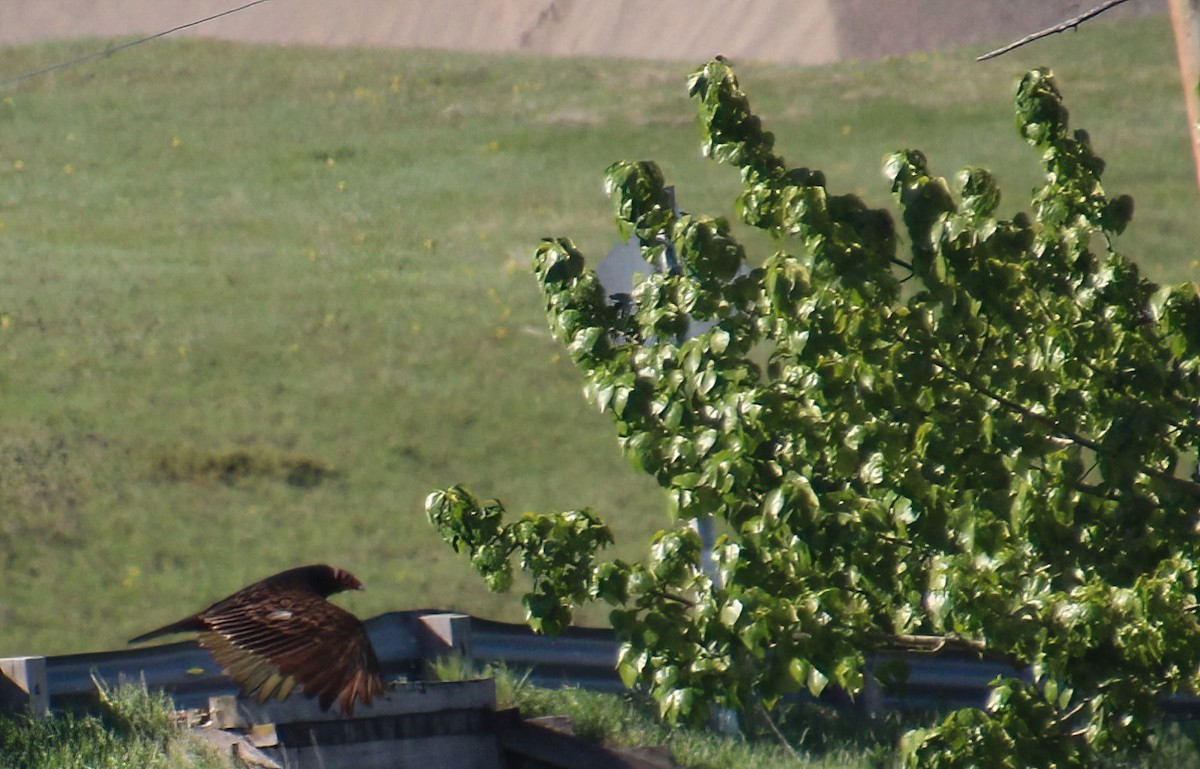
(4, 82)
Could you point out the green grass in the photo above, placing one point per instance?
(131, 730)
(628, 722)
(818, 736)
(319, 258)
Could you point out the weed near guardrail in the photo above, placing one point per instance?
(133, 729)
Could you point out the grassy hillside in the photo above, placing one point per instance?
(255, 303)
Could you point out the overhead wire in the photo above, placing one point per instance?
(5, 82)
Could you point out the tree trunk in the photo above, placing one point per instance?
(1185, 17)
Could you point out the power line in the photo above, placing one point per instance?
(1063, 27)
(116, 48)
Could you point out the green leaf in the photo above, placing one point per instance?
(730, 613)
(871, 471)
(629, 665)
(798, 670)
(816, 682)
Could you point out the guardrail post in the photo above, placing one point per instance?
(23, 685)
(442, 635)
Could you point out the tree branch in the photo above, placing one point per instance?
(1063, 27)
(1183, 485)
(932, 644)
(1093, 490)
(672, 597)
(787, 746)
(1065, 717)
(1015, 407)
(898, 541)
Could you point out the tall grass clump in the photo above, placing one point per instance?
(132, 729)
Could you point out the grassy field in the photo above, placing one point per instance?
(256, 303)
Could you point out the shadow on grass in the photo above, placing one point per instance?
(229, 467)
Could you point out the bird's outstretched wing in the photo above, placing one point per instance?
(272, 641)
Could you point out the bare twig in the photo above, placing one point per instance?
(898, 541)
(1063, 27)
(1182, 485)
(1065, 717)
(932, 644)
(672, 597)
(787, 746)
(1015, 407)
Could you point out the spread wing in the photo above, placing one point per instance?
(270, 642)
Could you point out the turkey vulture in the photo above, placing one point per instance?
(281, 633)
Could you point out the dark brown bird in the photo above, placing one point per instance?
(281, 633)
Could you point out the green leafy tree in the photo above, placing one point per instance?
(988, 444)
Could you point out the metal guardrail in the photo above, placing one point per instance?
(407, 641)
(587, 657)
(191, 676)
(581, 657)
